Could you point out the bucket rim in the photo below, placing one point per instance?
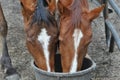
(58, 74)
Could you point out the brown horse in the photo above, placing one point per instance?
(75, 32)
(41, 31)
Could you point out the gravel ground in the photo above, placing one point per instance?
(108, 64)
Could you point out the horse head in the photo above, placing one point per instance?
(75, 32)
(42, 32)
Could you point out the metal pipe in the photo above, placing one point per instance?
(115, 7)
(105, 14)
(112, 41)
(114, 32)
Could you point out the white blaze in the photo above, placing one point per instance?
(77, 35)
(56, 2)
(44, 39)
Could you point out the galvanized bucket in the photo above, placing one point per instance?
(85, 74)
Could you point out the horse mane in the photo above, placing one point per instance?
(42, 14)
(77, 8)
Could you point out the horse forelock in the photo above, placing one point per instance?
(76, 8)
(42, 14)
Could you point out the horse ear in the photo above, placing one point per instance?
(95, 12)
(51, 6)
(29, 5)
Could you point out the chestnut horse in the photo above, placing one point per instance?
(75, 32)
(41, 31)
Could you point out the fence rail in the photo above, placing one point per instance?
(110, 31)
(113, 31)
(115, 7)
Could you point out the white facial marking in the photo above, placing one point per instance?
(44, 39)
(56, 2)
(77, 38)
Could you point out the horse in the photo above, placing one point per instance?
(42, 34)
(75, 32)
(41, 31)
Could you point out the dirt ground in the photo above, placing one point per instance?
(108, 64)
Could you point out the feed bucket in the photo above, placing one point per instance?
(85, 74)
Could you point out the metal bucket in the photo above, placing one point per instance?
(84, 74)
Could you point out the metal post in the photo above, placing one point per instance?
(110, 32)
(111, 49)
(107, 31)
(115, 7)
(114, 33)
